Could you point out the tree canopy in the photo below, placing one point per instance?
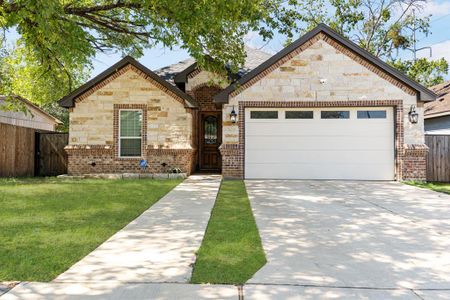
(59, 38)
(383, 27)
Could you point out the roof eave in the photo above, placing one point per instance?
(437, 115)
(182, 76)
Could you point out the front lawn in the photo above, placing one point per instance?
(435, 186)
(231, 251)
(46, 225)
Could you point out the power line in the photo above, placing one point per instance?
(440, 18)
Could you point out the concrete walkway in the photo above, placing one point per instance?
(159, 245)
(336, 234)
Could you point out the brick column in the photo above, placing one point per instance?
(232, 161)
(414, 162)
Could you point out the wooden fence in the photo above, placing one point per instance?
(17, 151)
(438, 160)
(24, 152)
(51, 157)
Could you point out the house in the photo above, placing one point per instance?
(321, 108)
(28, 115)
(19, 128)
(437, 113)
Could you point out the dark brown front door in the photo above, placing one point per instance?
(210, 140)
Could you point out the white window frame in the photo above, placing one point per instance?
(130, 137)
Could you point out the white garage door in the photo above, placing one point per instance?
(320, 143)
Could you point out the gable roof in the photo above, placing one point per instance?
(254, 57)
(29, 105)
(69, 100)
(169, 72)
(423, 93)
(440, 107)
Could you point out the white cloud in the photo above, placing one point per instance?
(436, 9)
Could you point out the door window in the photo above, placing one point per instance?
(210, 130)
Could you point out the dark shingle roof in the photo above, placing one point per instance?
(254, 58)
(441, 106)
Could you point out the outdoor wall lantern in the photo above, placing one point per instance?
(413, 115)
(233, 115)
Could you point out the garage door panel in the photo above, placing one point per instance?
(323, 156)
(315, 171)
(316, 143)
(315, 128)
(360, 149)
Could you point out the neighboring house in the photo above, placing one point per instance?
(437, 113)
(19, 129)
(31, 117)
(322, 108)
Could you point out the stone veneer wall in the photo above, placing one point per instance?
(296, 78)
(167, 127)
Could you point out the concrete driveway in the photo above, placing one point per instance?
(369, 235)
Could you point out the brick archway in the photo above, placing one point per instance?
(204, 95)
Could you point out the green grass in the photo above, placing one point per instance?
(231, 251)
(46, 225)
(435, 186)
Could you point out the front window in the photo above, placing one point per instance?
(130, 133)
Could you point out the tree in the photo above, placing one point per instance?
(58, 38)
(382, 27)
(427, 72)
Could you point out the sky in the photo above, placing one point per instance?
(438, 40)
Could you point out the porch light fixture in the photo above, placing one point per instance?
(413, 115)
(233, 115)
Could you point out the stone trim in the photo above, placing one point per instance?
(234, 154)
(121, 72)
(117, 108)
(344, 50)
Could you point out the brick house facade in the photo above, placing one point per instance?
(186, 124)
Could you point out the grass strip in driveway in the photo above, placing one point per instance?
(231, 250)
(434, 186)
(46, 225)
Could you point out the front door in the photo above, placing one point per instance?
(210, 140)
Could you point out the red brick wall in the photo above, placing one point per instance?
(81, 160)
(232, 161)
(204, 95)
(414, 162)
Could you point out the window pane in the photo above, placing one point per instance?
(371, 114)
(299, 115)
(210, 128)
(343, 114)
(130, 147)
(264, 114)
(130, 123)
